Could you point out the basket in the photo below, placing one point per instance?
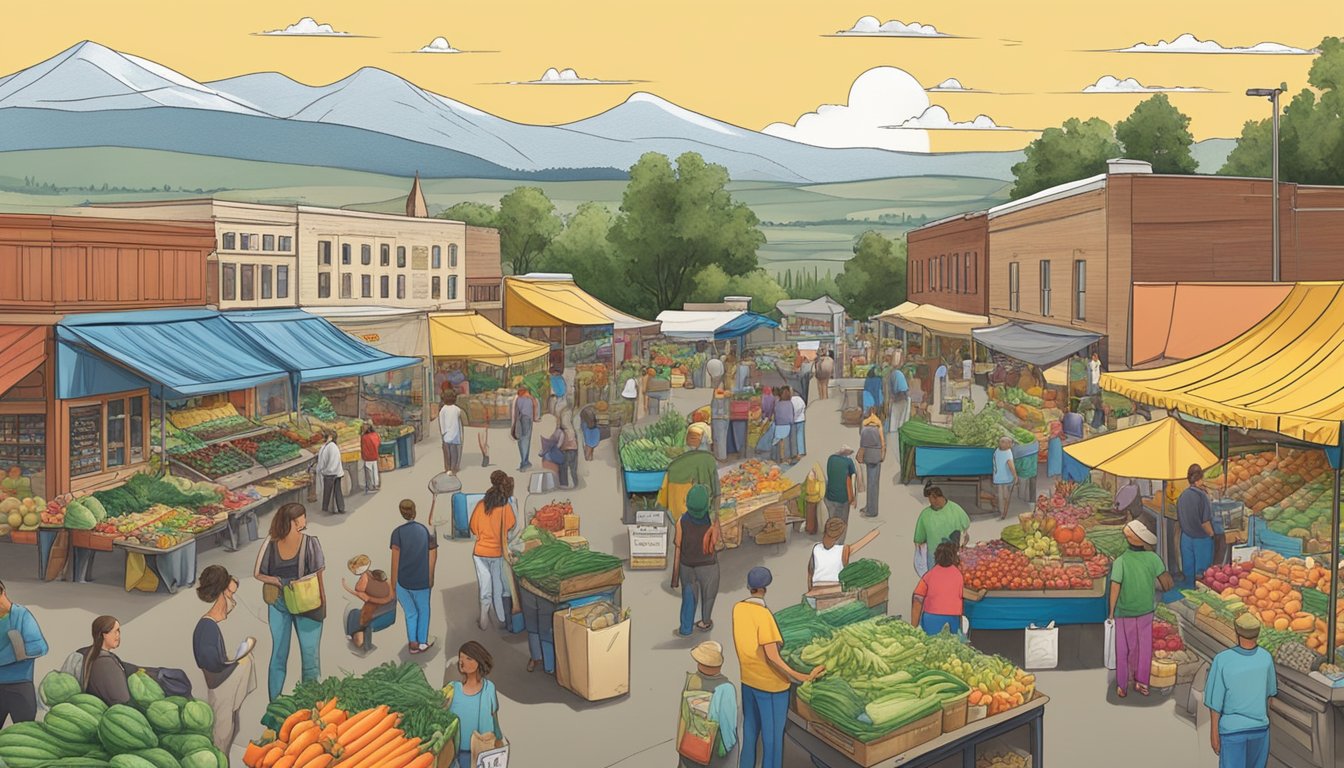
(976, 712)
(955, 713)
(387, 463)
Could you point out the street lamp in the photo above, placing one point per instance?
(1273, 95)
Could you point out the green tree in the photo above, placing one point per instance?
(527, 222)
(473, 213)
(1074, 151)
(675, 223)
(1159, 133)
(712, 284)
(874, 279)
(584, 251)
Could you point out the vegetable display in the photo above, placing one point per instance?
(316, 404)
(552, 562)
(652, 448)
(551, 517)
(268, 448)
(215, 461)
(980, 429)
(326, 735)
(753, 477)
(996, 566)
(864, 573)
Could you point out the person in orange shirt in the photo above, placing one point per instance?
(369, 446)
(491, 521)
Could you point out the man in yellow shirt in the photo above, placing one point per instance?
(765, 675)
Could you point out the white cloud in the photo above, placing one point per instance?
(555, 76)
(1188, 43)
(935, 118)
(1108, 84)
(879, 97)
(438, 45)
(307, 27)
(950, 84)
(869, 26)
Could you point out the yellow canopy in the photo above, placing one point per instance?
(1159, 450)
(469, 335)
(945, 322)
(1285, 374)
(546, 302)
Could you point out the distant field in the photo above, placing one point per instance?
(805, 225)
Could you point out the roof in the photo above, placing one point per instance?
(310, 347)
(935, 318)
(22, 349)
(547, 300)
(1057, 192)
(1035, 343)
(823, 307)
(1159, 450)
(1176, 321)
(728, 324)
(1284, 375)
(472, 336)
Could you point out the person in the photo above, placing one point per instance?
(936, 604)
(967, 365)
(21, 644)
(569, 445)
(451, 423)
(102, 673)
(630, 395)
(290, 555)
(939, 386)
(940, 521)
(1135, 576)
(806, 372)
(491, 521)
(840, 478)
(784, 414)
(525, 412)
(1005, 475)
(873, 449)
(1054, 450)
(768, 400)
(374, 592)
(825, 370)
(473, 699)
(695, 561)
(799, 426)
(1094, 375)
(814, 490)
(1241, 682)
(708, 678)
(228, 680)
(559, 390)
(415, 552)
(872, 389)
(1194, 513)
(714, 371)
(742, 376)
(592, 433)
(829, 556)
(332, 472)
(682, 474)
(765, 675)
(898, 397)
(369, 445)
(646, 388)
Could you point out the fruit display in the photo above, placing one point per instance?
(1316, 638)
(997, 566)
(595, 375)
(1221, 577)
(1272, 600)
(652, 448)
(1295, 570)
(268, 448)
(753, 477)
(23, 513)
(1166, 638)
(53, 514)
(551, 517)
(15, 484)
(215, 461)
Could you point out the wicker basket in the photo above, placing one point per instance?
(955, 713)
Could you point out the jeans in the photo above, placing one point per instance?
(523, 430)
(570, 468)
(1196, 557)
(18, 702)
(415, 604)
(799, 438)
(1244, 749)
(371, 479)
(699, 583)
(490, 582)
(933, 623)
(464, 759)
(763, 718)
(870, 504)
(452, 457)
(283, 625)
(331, 484)
(1133, 649)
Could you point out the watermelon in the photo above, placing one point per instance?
(58, 687)
(71, 723)
(144, 689)
(89, 703)
(197, 717)
(159, 758)
(130, 761)
(123, 729)
(183, 744)
(204, 758)
(164, 717)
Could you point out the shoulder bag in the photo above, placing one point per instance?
(487, 750)
(304, 594)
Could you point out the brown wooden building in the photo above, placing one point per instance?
(484, 273)
(947, 264)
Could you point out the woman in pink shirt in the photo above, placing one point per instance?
(937, 599)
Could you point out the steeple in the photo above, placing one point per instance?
(415, 201)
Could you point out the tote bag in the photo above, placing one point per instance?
(486, 750)
(304, 594)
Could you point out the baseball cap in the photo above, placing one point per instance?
(759, 578)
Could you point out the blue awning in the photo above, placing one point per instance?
(310, 346)
(743, 324)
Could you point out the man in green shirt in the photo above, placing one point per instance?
(840, 474)
(1135, 576)
(941, 521)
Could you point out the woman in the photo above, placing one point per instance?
(473, 699)
(592, 435)
(937, 601)
(369, 446)
(872, 450)
(569, 446)
(228, 681)
(525, 411)
(291, 558)
(1054, 452)
(491, 521)
(825, 369)
(695, 561)
(1135, 576)
(551, 452)
(799, 425)
(872, 390)
(374, 590)
(103, 674)
(784, 426)
(768, 401)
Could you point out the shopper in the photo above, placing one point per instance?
(630, 399)
(102, 673)
(768, 400)
(872, 452)
(1054, 451)
(332, 472)
(784, 427)
(1005, 475)
(873, 398)
(474, 700)
(1135, 577)
(592, 433)
(452, 425)
(941, 521)
(491, 521)
(806, 372)
(898, 397)
(829, 557)
(1194, 513)
(799, 426)
(376, 599)
(559, 390)
(369, 446)
(742, 376)
(228, 680)
(569, 446)
(290, 567)
(1241, 682)
(825, 371)
(415, 552)
(720, 420)
(21, 643)
(721, 716)
(1094, 375)
(841, 474)
(765, 675)
(814, 490)
(939, 387)
(525, 412)
(937, 602)
(695, 561)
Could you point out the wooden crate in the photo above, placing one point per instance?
(648, 563)
(589, 581)
(875, 595)
(954, 713)
(871, 753)
(1220, 630)
(90, 540)
(23, 537)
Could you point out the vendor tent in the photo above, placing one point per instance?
(678, 324)
(1176, 321)
(312, 348)
(823, 308)
(472, 336)
(546, 301)
(941, 321)
(1036, 343)
(1158, 450)
(394, 330)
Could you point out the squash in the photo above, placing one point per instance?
(1303, 624)
(1021, 412)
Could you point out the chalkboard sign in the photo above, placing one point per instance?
(86, 440)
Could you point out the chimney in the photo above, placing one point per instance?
(415, 201)
(1119, 165)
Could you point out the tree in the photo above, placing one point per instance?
(712, 284)
(1074, 151)
(675, 223)
(473, 213)
(874, 279)
(584, 251)
(1159, 133)
(527, 222)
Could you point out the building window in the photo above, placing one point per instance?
(366, 254)
(1013, 287)
(366, 286)
(975, 270)
(435, 287)
(1045, 288)
(266, 271)
(436, 257)
(286, 243)
(228, 282)
(452, 287)
(247, 282)
(323, 285)
(401, 257)
(345, 253)
(282, 282)
(347, 280)
(452, 256)
(324, 253)
(384, 255)
(401, 286)
(125, 431)
(229, 241)
(1080, 290)
(268, 242)
(382, 285)
(248, 242)
(956, 272)
(966, 280)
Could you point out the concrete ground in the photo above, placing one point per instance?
(545, 723)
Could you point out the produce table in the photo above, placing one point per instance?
(175, 566)
(1017, 610)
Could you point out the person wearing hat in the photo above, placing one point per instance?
(941, 521)
(841, 474)
(695, 561)
(1194, 513)
(829, 557)
(1241, 682)
(765, 675)
(1135, 577)
(709, 682)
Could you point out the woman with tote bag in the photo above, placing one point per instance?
(474, 701)
(290, 567)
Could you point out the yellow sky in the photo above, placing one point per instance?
(748, 62)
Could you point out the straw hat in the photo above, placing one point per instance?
(708, 653)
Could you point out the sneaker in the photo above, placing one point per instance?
(485, 461)
(426, 646)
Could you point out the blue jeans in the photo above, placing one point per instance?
(464, 759)
(1196, 557)
(933, 623)
(1244, 749)
(524, 432)
(763, 717)
(415, 603)
(799, 438)
(283, 624)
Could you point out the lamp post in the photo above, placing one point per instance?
(1273, 95)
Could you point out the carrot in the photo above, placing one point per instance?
(381, 738)
(321, 761)
(301, 728)
(355, 720)
(405, 752)
(329, 732)
(302, 741)
(335, 717)
(356, 738)
(252, 755)
(379, 755)
(273, 755)
(293, 720)
(287, 761)
(423, 761)
(327, 708)
(309, 753)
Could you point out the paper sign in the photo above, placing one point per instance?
(495, 758)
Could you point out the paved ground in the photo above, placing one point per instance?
(537, 715)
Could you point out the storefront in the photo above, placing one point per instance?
(483, 364)
(24, 405)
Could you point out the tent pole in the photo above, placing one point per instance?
(1333, 611)
(1162, 531)
(1223, 450)
(163, 436)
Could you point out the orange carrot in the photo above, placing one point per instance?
(287, 761)
(355, 720)
(273, 755)
(303, 726)
(381, 738)
(252, 755)
(405, 752)
(325, 709)
(309, 753)
(380, 754)
(321, 761)
(335, 717)
(302, 740)
(293, 720)
(423, 761)
(355, 739)
(328, 732)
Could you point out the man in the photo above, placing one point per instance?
(1241, 682)
(451, 423)
(799, 426)
(1194, 513)
(825, 370)
(558, 391)
(1094, 375)
(830, 556)
(332, 472)
(898, 395)
(873, 445)
(1005, 475)
(525, 412)
(414, 555)
(941, 521)
(716, 705)
(21, 642)
(783, 415)
(695, 562)
(765, 675)
(840, 476)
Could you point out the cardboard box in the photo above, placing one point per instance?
(823, 596)
(592, 663)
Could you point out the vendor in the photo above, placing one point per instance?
(937, 602)
(830, 556)
(1135, 576)
(941, 521)
(1194, 513)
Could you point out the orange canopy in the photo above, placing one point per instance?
(1178, 321)
(22, 350)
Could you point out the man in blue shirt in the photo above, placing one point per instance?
(1194, 513)
(1005, 475)
(414, 554)
(898, 395)
(21, 641)
(1241, 682)
(558, 390)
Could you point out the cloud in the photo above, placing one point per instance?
(951, 84)
(555, 76)
(307, 27)
(1108, 84)
(1188, 43)
(935, 118)
(869, 26)
(879, 97)
(438, 45)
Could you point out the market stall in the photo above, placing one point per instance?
(484, 364)
(965, 451)
(722, 329)
(1033, 366)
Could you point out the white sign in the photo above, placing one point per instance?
(495, 758)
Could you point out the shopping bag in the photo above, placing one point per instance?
(921, 561)
(697, 748)
(487, 751)
(1042, 647)
(1109, 652)
(304, 594)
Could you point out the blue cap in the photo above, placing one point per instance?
(759, 578)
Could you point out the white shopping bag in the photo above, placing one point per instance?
(921, 561)
(1042, 647)
(1110, 644)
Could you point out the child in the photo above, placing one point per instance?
(369, 446)
(374, 590)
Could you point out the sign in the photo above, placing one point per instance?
(371, 338)
(420, 286)
(419, 257)
(495, 758)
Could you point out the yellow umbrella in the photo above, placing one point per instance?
(1158, 450)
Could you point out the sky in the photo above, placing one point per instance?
(756, 64)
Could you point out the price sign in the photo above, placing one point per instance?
(495, 758)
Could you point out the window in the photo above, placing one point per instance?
(247, 282)
(483, 292)
(452, 256)
(266, 270)
(436, 257)
(956, 273)
(1080, 290)
(347, 280)
(966, 280)
(229, 241)
(1045, 288)
(228, 282)
(401, 286)
(268, 242)
(366, 254)
(125, 431)
(324, 253)
(384, 255)
(382, 285)
(345, 253)
(928, 276)
(401, 256)
(434, 287)
(323, 285)
(452, 287)
(249, 242)
(366, 286)
(975, 270)
(1013, 285)
(282, 282)
(286, 243)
